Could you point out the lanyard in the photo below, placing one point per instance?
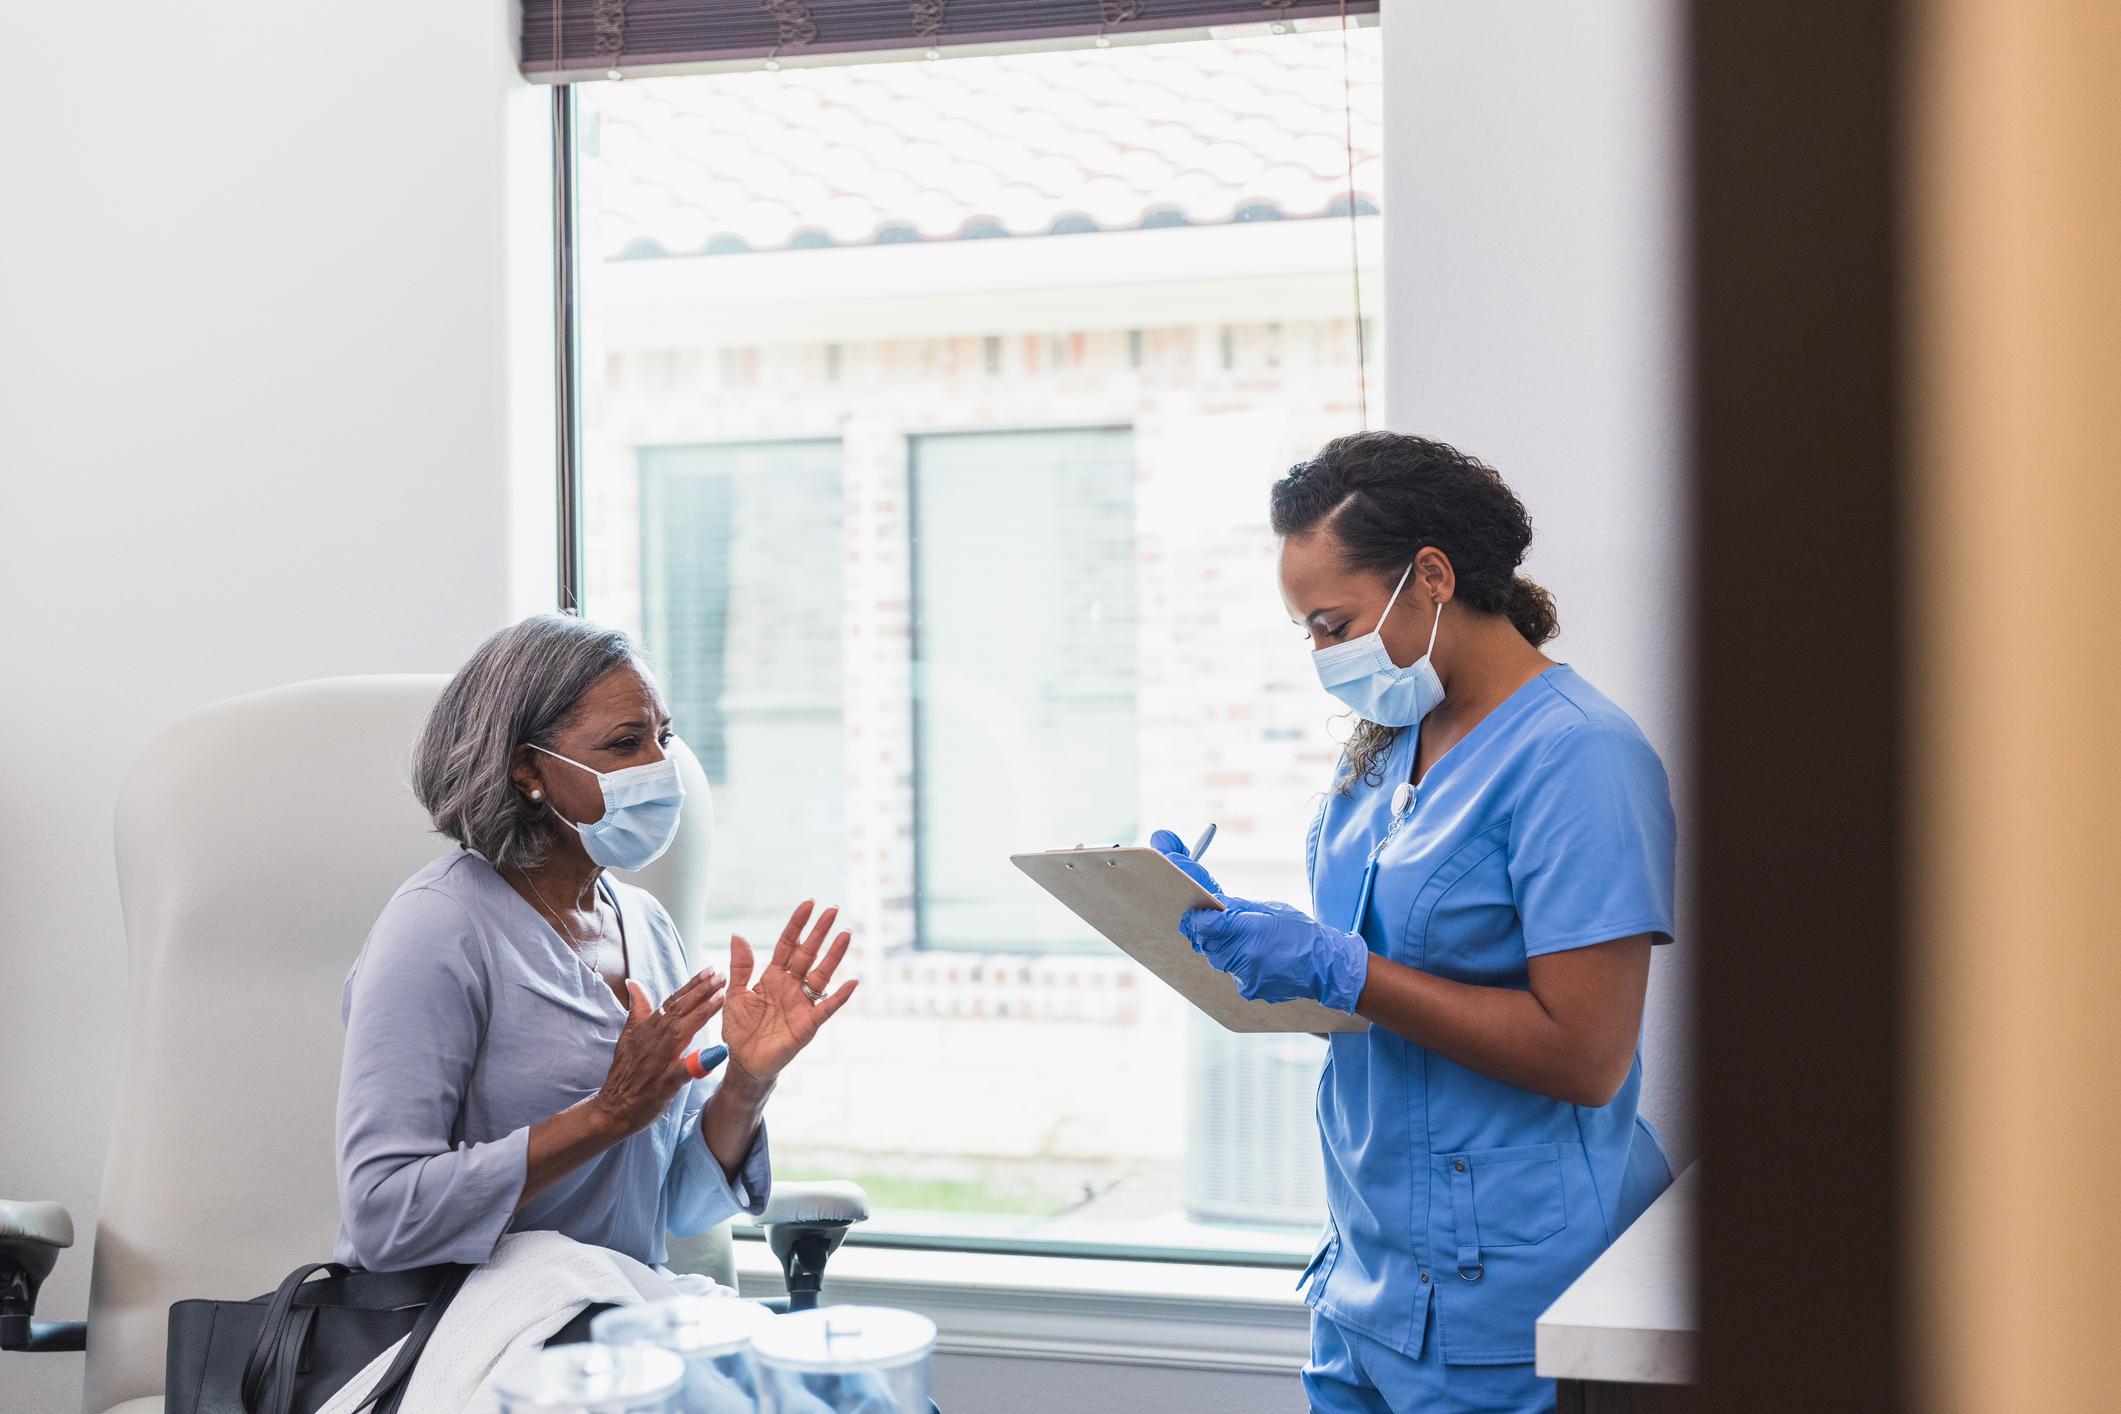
(1400, 816)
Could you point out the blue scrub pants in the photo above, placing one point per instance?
(1349, 1373)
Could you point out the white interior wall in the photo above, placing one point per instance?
(1534, 319)
(252, 430)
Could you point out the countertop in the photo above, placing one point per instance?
(1630, 1318)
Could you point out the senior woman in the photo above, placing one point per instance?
(518, 1022)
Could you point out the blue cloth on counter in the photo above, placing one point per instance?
(1349, 1373)
(711, 1391)
(1548, 827)
(810, 1392)
(468, 1019)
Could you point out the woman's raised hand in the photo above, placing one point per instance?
(764, 1025)
(648, 1064)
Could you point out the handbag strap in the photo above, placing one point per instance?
(269, 1373)
(390, 1390)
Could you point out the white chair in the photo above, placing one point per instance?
(257, 840)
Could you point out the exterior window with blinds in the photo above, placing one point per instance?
(1251, 1142)
(686, 511)
(1024, 669)
(929, 414)
(741, 551)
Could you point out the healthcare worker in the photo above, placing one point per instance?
(1488, 875)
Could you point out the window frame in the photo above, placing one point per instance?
(572, 581)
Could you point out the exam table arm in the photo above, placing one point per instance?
(805, 1224)
(31, 1237)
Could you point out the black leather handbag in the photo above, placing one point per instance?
(290, 1351)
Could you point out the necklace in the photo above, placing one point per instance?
(561, 923)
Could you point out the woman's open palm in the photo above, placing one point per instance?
(764, 1025)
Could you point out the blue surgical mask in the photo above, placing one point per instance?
(640, 812)
(1362, 674)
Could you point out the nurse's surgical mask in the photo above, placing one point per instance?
(640, 812)
(1362, 674)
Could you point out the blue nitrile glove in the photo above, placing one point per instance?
(1278, 953)
(1173, 848)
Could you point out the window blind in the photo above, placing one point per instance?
(742, 547)
(1025, 722)
(565, 41)
(735, 536)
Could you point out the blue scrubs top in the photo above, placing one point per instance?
(1548, 827)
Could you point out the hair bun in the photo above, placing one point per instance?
(1531, 610)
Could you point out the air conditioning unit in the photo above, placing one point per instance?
(1252, 1154)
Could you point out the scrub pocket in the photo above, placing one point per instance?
(1497, 1214)
(1504, 1198)
(1321, 1263)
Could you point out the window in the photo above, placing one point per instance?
(930, 410)
(1024, 672)
(740, 573)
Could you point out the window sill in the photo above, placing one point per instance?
(1236, 1319)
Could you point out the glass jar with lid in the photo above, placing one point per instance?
(586, 1378)
(846, 1359)
(711, 1334)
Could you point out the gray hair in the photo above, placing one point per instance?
(520, 686)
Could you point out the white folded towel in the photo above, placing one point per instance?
(535, 1283)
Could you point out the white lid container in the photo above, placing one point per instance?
(587, 1378)
(689, 1325)
(835, 1339)
(846, 1359)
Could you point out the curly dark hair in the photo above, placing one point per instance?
(1384, 497)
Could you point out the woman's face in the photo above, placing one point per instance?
(619, 722)
(1334, 604)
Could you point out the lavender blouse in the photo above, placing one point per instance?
(468, 1019)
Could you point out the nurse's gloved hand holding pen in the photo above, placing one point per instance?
(1171, 847)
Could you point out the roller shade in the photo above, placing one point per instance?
(565, 41)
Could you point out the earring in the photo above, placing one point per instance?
(537, 795)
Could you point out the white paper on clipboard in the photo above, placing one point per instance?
(1134, 897)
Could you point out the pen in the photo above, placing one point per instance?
(1200, 845)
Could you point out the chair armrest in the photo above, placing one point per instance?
(832, 1202)
(31, 1238)
(805, 1224)
(39, 1222)
(707, 1254)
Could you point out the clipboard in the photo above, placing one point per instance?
(1134, 896)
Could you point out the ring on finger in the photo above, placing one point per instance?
(805, 985)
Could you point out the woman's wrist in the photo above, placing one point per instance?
(729, 1126)
(571, 1138)
(606, 1120)
(740, 1085)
